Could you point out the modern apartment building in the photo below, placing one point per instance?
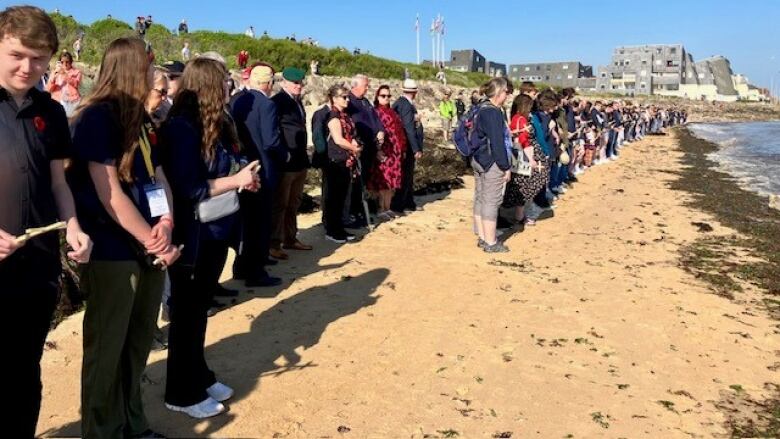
(495, 69)
(666, 69)
(559, 74)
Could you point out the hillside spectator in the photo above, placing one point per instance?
(460, 107)
(314, 67)
(242, 59)
(77, 48)
(185, 52)
(386, 175)
(294, 138)
(403, 199)
(140, 27)
(64, 84)
(33, 193)
(148, 22)
(250, 32)
(183, 28)
(441, 77)
(447, 113)
(123, 200)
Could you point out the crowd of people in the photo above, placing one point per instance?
(527, 160)
(169, 166)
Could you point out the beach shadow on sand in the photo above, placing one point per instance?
(268, 348)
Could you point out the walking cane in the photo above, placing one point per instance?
(37, 231)
(363, 196)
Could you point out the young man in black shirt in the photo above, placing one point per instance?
(34, 141)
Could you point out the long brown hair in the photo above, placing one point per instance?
(201, 96)
(123, 81)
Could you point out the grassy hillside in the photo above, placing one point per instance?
(279, 53)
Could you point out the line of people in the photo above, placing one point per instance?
(527, 160)
(167, 169)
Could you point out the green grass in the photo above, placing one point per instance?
(279, 53)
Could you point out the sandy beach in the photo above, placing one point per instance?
(590, 327)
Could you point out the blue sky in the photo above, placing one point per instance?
(747, 31)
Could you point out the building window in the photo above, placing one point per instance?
(527, 68)
(547, 78)
(642, 85)
(569, 76)
(538, 67)
(627, 62)
(658, 50)
(673, 50)
(616, 63)
(644, 62)
(658, 62)
(603, 86)
(603, 75)
(558, 77)
(514, 69)
(565, 67)
(643, 73)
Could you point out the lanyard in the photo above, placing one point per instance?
(146, 151)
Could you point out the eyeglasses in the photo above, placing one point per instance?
(385, 96)
(343, 96)
(162, 91)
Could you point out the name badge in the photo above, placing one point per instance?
(158, 202)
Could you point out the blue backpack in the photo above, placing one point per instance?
(466, 140)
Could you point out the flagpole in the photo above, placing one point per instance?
(441, 44)
(417, 28)
(433, 42)
(438, 40)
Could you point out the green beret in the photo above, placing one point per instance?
(293, 74)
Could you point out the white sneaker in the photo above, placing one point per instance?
(220, 392)
(205, 409)
(613, 158)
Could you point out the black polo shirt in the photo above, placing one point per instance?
(31, 136)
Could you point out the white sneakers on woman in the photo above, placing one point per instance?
(211, 406)
(205, 409)
(220, 392)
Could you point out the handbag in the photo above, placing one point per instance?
(564, 158)
(522, 166)
(217, 207)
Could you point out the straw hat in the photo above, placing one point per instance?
(409, 86)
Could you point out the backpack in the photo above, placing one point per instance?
(466, 140)
(319, 129)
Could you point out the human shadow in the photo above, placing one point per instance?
(270, 347)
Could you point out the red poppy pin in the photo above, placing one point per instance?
(39, 123)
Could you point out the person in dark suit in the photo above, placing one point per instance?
(403, 200)
(287, 199)
(370, 134)
(258, 129)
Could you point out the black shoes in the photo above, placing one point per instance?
(265, 281)
(221, 291)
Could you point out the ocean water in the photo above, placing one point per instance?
(750, 151)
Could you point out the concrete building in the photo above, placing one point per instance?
(559, 74)
(669, 70)
(495, 70)
(468, 60)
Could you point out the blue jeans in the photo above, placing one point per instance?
(611, 143)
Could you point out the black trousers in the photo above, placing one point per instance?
(404, 196)
(337, 178)
(29, 290)
(256, 236)
(192, 290)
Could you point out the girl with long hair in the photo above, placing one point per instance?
(123, 201)
(200, 153)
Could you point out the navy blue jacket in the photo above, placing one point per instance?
(491, 125)
(414, 130)
(258, 129)
(596, 116)
(367, 123)
(188, 174)
(292, 123)
(572, 122)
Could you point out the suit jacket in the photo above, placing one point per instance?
(367, 123)
(258, 129)
(414, 130)
(319, 134)
(292, 123)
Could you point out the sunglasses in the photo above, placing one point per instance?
(385, 96)
(343, 96)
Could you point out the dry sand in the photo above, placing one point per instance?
(588, 328)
